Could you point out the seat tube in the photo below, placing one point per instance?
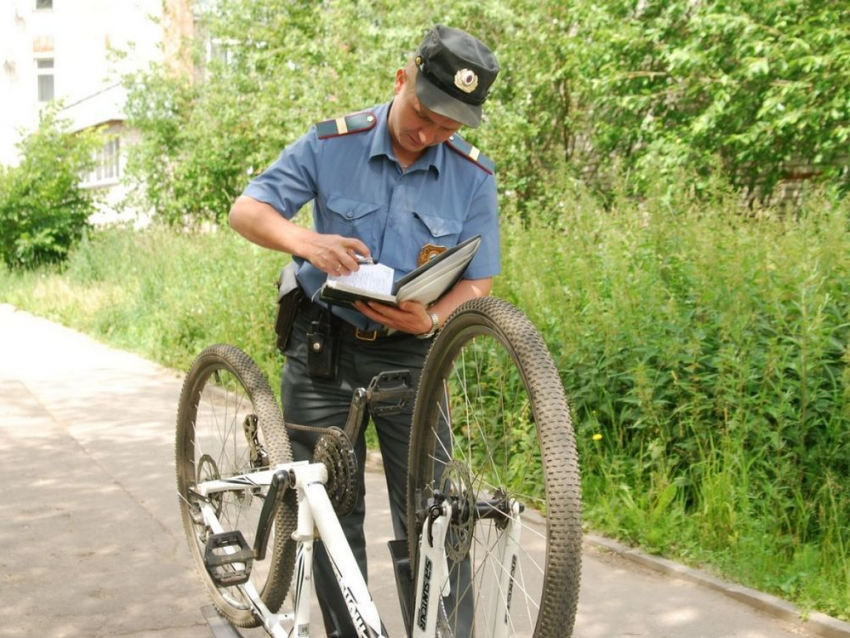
(303, 569)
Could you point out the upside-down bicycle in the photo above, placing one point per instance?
(494, 506)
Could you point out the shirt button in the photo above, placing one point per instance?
(349, 215)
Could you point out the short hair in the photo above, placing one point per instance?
(411, 70)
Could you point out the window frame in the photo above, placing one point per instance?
(44, 72)
(107, 169)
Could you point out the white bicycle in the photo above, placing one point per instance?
(494, 505)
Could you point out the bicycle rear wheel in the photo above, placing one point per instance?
(491, 424)
(229, 423)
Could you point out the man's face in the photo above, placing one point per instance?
(413, 126)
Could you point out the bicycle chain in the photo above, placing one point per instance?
(334, 450)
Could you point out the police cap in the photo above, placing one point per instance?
(455, 74)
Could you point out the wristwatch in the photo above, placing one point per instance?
(435, 324)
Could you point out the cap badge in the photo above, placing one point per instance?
(466, 80)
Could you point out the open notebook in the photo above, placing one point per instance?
(426, 284)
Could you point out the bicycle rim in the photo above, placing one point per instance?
(491, 385)
(229, 424)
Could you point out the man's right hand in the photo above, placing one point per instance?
(335, 254)
(261, 224)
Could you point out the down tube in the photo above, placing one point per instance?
(361, 607)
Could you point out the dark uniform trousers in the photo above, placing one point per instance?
(326, 402)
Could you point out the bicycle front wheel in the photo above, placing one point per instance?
(491, 431)
(229, 424)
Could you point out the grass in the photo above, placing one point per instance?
(706, 350)
(164, 295)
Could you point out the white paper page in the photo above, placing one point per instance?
(373, 277)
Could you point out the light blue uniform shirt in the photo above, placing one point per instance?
(359, 190)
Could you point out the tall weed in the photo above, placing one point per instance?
(708, 347)
(163, 294)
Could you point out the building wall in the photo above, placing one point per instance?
(92, 44)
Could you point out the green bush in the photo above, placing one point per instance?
(43, 210)
(705, 353)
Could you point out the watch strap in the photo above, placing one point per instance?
(435, 325)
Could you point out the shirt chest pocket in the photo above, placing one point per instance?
(406, 241)
(438, 228)
(351, 218)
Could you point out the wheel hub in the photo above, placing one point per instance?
(259, 457)
(456, 485)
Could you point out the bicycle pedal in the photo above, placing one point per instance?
(389, 386)
(228, 558)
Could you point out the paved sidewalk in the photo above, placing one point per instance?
(93, 545)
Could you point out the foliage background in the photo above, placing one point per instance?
(706, 350)
(674, 94)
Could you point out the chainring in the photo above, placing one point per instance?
(334, 449)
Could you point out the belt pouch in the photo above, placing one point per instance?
(289, 298)
(322, 348)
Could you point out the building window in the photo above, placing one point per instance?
(107, 164)
(44, 72)
(43, 4)
(109, 160)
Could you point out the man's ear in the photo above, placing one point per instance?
(400, 81)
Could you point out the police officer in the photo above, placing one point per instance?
(398, 184)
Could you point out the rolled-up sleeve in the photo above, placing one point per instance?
(291, 181)
(483, 219)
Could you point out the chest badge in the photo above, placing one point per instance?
(428, 252)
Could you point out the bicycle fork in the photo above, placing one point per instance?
(433, 572)
(498, 623)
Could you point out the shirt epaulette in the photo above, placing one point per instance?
(354, 123)
(470, 152)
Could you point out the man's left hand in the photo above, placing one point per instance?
(410, 316)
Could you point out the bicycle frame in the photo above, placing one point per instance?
(315, 511)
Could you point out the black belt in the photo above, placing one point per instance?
(314, 311)
(370, 335)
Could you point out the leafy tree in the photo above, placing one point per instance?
(280, 66)
(43, 210)
(159, 107)
(760, 87)
(663, 91)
